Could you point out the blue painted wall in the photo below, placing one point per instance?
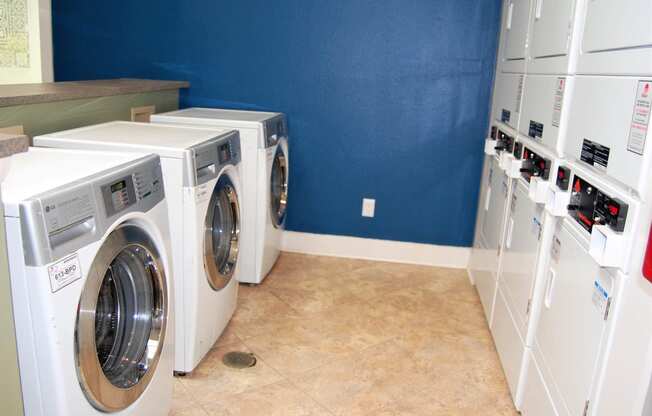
(386, 99)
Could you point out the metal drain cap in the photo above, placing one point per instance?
(239, 359)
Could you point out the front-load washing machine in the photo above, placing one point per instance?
(265, 169)
(528, 235)
(88, 244)
(484, 263)
(201, 175)
(583, 280)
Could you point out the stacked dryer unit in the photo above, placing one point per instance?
(550, 47)
(579, 364)
(201, 171)
(500, 164)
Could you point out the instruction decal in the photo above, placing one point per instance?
(536, 129)
(595, 154)
(640, 118)
(64, 272)
(505, 116)
(600, 297)
(559, 101)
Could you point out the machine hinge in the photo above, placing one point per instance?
(607, 309)
(529, 306)
(586, 408)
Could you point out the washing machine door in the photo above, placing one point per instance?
(279, 187)
(222, 234)
(121, 320)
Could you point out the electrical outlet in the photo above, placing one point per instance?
(368, 207)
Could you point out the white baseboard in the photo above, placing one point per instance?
(372, 249)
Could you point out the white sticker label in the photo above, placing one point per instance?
(600, 297)
(559, 101)
(640, 118)
(536, 227)
(519, 93)
(64, 272)
(202, 192)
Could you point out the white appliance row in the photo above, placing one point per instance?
(562, 229)
(126, 244)
(576, 37)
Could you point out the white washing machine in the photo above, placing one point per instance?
(514, 35)
(616, 38)
(88, 246)
(583, 284)
(528, 237)
(609, 128)
(202, 181)
(545, 110)
(555, 34)
(265, 170)
(507, 100)
(484, 264)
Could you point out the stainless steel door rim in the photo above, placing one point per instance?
(222, 234)
(279, 187)
(121, 320)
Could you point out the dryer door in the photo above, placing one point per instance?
(121, 320)
(279, 186)
(222, 233)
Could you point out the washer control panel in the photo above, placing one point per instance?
(504, 142)
(589, 206)
(563, 178)
(275, 128)
(209, 157)
(535, 166)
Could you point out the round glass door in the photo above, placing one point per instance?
(222, 234)
(121, 320)
(279, 187)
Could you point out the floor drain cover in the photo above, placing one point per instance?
(239, 359)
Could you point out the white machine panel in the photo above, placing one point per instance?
(484, 262)
(524, 229)
(608, 127)
(537, 400)
(555, 36)
(572, 323)
(544, 113)
(617, 38)
(508, 94)
(515, 35)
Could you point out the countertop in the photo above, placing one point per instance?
(21, 94)
(12, 143)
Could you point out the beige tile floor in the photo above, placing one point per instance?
(352, 337)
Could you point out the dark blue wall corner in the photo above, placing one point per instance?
(385, 99)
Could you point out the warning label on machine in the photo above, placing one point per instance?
(640, 118)
(595, 154)
(558, 102)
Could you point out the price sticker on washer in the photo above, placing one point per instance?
(64, 272)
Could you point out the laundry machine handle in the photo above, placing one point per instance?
(550, 285)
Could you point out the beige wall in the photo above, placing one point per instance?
(62, 115)
(11, 403)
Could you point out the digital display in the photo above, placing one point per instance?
(224, 152)
(118, 186)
